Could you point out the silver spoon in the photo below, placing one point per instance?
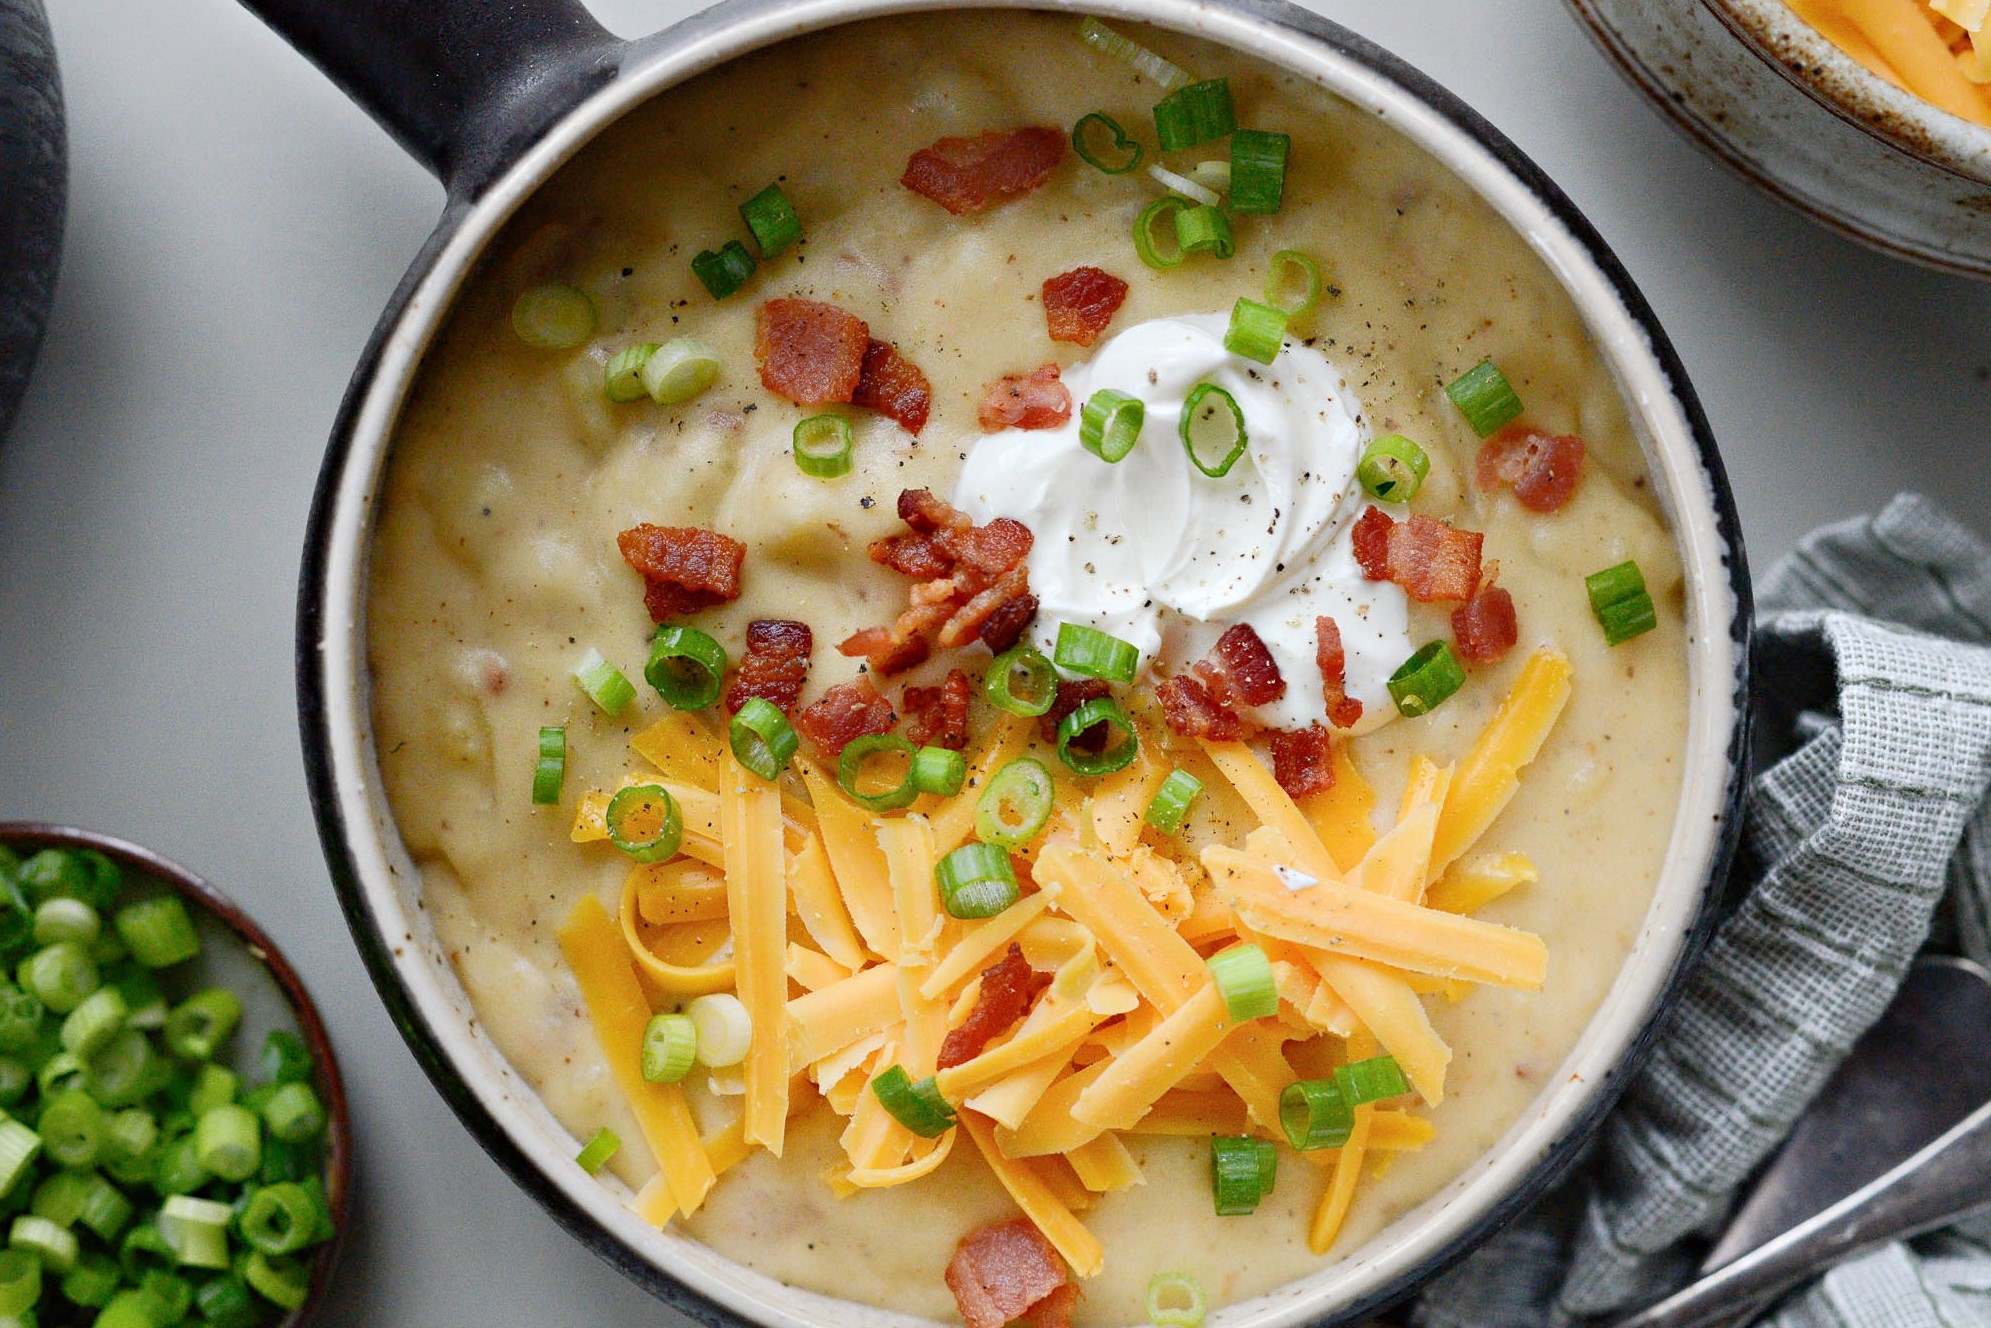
(1869, 1163)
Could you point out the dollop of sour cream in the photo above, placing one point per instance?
(1161, 555)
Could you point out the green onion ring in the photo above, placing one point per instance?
(850, 765)
(1039, 682)
(1095, 654)
(1392, 469)
(762, 739)
(1120, 143)
(822, 446)
(1314, 1114)
(1110, 422)
(1144, 244)
(1098, 710)
(916, 1105)
(976, 880)
(660, 844)
(1426, 679)
(1244, 978)
(686, 666)
(939, 770)
(1016, 804)
(1171, 801)
(1185, 428)
(1312, 283)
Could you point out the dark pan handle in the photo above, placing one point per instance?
(464, 85)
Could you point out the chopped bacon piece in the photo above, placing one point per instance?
(892, 385)
(810, 352)
(1303, 760)
(1541, 468)
(1005, 627)
(1073, 693)
(775, 666)
(1250, 670)
(1080, 303)
(684, 569)
(1003, 1272)
(1343, 710)
(939, 714)
(1190, 710)
(1008, 987)
(844, 714)
(1485, 625)
(1371, 538)
(1428, 558)
(1036, 400)
(966, 175)
(968, 576)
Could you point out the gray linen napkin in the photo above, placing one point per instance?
(1867, 836)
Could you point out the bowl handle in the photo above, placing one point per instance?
(463, 85)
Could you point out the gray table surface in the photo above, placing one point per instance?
(235, 227)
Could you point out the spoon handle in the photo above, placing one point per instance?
(1947, 1179)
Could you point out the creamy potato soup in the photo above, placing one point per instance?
(1313, 804)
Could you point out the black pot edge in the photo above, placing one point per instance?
(377, 951)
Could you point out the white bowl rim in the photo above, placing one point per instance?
(370, 865)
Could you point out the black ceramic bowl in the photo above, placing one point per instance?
(33, 181)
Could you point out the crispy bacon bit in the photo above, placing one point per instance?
(939, 714)
(1428, 558)
(1343, 710)
(1008, 987)
(684, 569)
(1073, 693)
(892, 385)
(968, 577)
(775, 666)
(1005, 627)
(1371, 538)
(810, 352)
(1485, 625)
(1080, 303)
(1008, 1271)
(966, 175)
(1303, 760)
(844, 714)
(1036, 400)
(1249, 669)
(1189, 709)
(1541, 468)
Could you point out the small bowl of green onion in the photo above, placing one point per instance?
(174, 1143)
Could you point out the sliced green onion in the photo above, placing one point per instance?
(1194, 114)
(93, 1023)
(686, 667)
(66, 919)
(762, 738)
(223, 1302)
(1175, 1300)
(1110, 423)
(1242, 1170)
(1485, 397)
(145, 1004)
(20, 1281)
(1204, 230)
(15, 1080)
(1201, 406)
(228, 1141)
(19, 1146)
(104, 1209)
(63, 975)
(54, 873)
(1424, 680)
(1629, 618)
(550, 770)
(213, 1086)
(1144, 243)
(679, 370)
(622, 379)
(59, 1197)
(603, 683)
(724, 270)
(1393, 468)
(1244, 978)
(553, 317)
(939, 770)
(1311, 284)
(1098, 710)
(199, 1025)
(771, 217)
(284, 1059)
(1145, 62)
(1370, 1080)
(670, 1046)
(129, 1136)
(643, 821)
(1315, 1114)
(60, 1073)
(285, 1283)
(1623, 606)
(1095, 654)
(131, 1308)
(1256, 331)
(197, 1229)
(122, 1071)
(850, 768)
(55, 1246)
(143, 1250)
(822, 446)
(1258, 170)
(1020, 682)
(1015, 804)
(725, 1030)
(976, 881)
(1212, 174)
(1117, 142)
(1171, 801)
(916, 1105)
(1190, 189)
(1613, 585)
(598, 1150)
(294, 1114)
(169, 1291)
(283, 1219)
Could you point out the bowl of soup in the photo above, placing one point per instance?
(982, 664)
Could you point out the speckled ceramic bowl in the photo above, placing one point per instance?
(33, 182)
(1767, 95)
(495, 98)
